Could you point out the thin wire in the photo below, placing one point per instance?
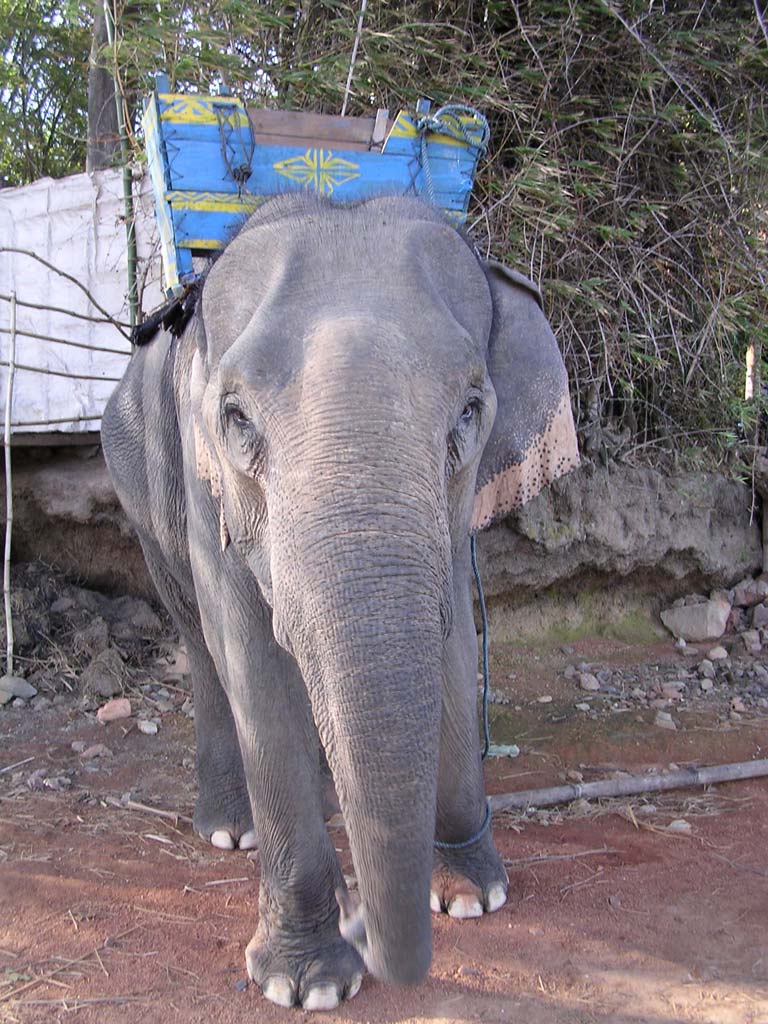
(348, 87)
(68, 277)
(68, 312)
(61, 373)
(66, 341)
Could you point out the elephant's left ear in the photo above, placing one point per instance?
(533, 440)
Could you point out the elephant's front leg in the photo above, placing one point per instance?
(297, 955)
(469, 876)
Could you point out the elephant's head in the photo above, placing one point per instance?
(365, 391)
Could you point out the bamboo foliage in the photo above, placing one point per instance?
(627, 171)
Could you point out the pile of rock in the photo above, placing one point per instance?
(731, 675)
(741, 611)
(70, 640)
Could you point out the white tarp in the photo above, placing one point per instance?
(77, 225)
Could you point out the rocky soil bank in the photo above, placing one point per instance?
(605, 547)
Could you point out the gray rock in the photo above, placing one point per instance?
(588, 682)
(705, 621)
(15, 686)
(41, 703)
(760, 616)
(751, 640)
(706, 685)
(707, 669)
(718, 653)
(664, 720)
(148, 727)
(750, 592)
(105, 675)
(133, 617)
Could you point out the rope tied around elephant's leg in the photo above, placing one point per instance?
(472, 839)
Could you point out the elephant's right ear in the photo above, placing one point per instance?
(533, 440)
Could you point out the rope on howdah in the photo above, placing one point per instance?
(451, 120)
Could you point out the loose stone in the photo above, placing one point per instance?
(113, 710)
(587, 681)
(664, 720)
(15, 686)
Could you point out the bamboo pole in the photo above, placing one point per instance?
(9, 491)
(51, 423)
(628, 785)
(125, 159)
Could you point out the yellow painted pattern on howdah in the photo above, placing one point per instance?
(319, 170)
(404, 128)
(202, 243)
(202, 109)
(214, 202)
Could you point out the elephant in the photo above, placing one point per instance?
(346, 396)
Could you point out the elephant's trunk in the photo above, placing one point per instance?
(365, 616)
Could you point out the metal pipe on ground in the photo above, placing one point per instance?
(628, 785)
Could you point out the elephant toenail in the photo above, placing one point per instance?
(496, 898)
(222, 839)
(280, 990)
(434, 903)
(463, 907)
(247, 840)
(354, 986)
(322, 997)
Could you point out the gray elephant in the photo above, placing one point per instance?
(354, 392)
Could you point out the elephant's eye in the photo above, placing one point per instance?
(234, 416)
(470, 412)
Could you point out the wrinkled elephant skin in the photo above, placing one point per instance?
(353, 394)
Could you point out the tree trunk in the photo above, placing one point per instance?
(103, 132)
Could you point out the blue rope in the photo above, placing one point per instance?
(448, 121)
(472, 839)
(484, 616)
(486, 728)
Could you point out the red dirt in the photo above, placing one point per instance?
(663, 927)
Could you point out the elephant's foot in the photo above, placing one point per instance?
(315, 977)
(225, 823)
(468, 883)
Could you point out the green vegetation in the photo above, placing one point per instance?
(627, 171)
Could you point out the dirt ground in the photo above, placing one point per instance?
(114, 914)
